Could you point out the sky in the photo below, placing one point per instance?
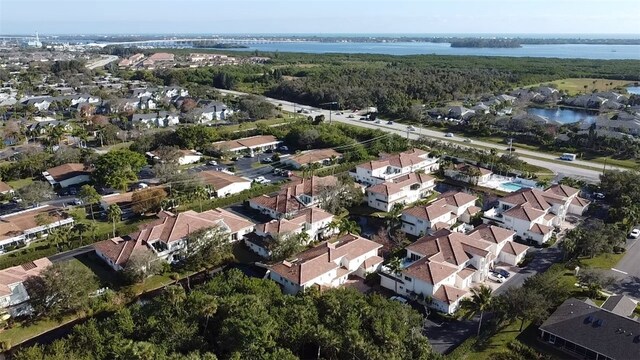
(320, 16)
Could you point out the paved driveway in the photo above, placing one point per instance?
(543, 259)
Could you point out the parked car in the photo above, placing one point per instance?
(73, 191)
(634, 234)
(261, 180)
(496, 277)
(505, 274)
(399, 299)
(16, 200)
(77, 202)
(283, 148)
(213, 163)
(267, 160)
(599, 196)
(448, 135)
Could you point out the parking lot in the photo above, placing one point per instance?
(501, 268)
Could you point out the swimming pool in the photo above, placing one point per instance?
(511, 187)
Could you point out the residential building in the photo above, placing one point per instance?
(166, 238)
(282, 205)
(249, 145)
(222, 184)
(533, 213)
(159, 119)
(467, 173)
(186, 157)
(158, 58)
(621, 305)
(403, 190)
(13, 294)
(443, 266)
(328, 264)
(306, 158)
(444, 212)
(309, 191)
(314, 221)
(23, 227)
(123, 200)
(214, 111)
(585, 331)
(68, 175)
(391, 166)
(132, 60)
(460, 112)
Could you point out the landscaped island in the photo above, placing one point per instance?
(485, 43)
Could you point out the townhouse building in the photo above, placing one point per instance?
(442, 213)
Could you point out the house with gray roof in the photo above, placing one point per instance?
(584, 330)
(158, 119)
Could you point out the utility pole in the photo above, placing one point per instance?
(331, 103)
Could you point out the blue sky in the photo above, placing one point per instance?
(320, 16)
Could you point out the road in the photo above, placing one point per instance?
(104, 60)
(548, 161)
(627, 272)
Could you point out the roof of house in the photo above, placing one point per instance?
(279, 227)
(310, 186)
(562, 190)
(514, 248)
(313, 156)
(524, 212)
(161, 57)
(68, 171)
(428, 212)
(540, 229)
(457, 199)
(172, 227)
(578, 201)
(429, 271)
(323, 258)
(282, 203)
(20, 273)
(464, 167)
(403, 159)
(620, 304)
(120, 199)
(312, 215)
(449, 294)
(600, 330)
(120, 249)
(248, 142)
(219, 180)
(492, 233)
(535, 197)
(398, 184)
(15, 224)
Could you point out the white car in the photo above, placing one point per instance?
(399, 299)
(634, 234)
(411, 128)
(77, 202)
(448, 135)
(213, 163)
(496, 277)
(261, 180)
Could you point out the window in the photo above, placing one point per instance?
(407, 278)
(552, 339)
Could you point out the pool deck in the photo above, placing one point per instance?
(496, 182)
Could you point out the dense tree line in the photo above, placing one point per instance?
(485, 43)
(235, 317)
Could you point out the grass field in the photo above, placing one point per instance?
(17, 184)
(574, 86)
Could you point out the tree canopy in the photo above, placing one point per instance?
(118, 168)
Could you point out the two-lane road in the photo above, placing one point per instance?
(586, 170)
(104, 60)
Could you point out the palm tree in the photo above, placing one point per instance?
(392, 217)
(114, 213)
(334, 225)
(59, 235)
(395, 266)
(479, 302)
(200, 193)
(81, 228)
(348, 227)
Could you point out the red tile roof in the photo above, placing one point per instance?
(429, 271)
(524, 212)
(312, 263)
(17, 274)
(67, 171)
(492, 233)
(449, 294)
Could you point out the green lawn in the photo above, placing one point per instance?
(17, 184)
(21, 332)
(604, 261)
